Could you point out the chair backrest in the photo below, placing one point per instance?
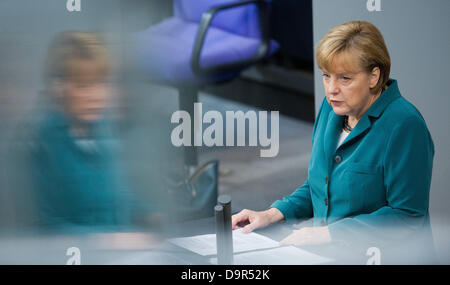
(242, 20)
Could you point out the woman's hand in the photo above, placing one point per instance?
(255, 220)
(308, 236)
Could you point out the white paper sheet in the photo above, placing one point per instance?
(206, 244)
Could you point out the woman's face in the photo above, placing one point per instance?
(347, 87)
(86, 94)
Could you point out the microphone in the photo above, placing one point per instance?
(224, 232)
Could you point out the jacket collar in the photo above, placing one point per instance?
(386, 97)
(334, 126)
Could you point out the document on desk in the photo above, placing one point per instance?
(206, 244)
(251, 249)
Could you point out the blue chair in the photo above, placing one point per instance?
(205, 42)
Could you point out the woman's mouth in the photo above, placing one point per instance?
(335, 103)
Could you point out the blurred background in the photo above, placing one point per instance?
(149, 45)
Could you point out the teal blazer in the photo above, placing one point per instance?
(378, 178)
(77, 190)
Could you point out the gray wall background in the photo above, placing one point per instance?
(417, 36)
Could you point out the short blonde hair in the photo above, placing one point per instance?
(360, 38)
(70, 47)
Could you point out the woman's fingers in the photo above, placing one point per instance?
(250, 220)
(250, 227)
(240, 217)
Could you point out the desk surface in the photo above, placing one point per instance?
(98, 249)
(108, 249)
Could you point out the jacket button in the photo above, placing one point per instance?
(338, 159)
(326, 179)
(326, 201)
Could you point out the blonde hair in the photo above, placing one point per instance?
(360, 37)
(70, 47)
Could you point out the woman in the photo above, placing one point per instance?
(372, 155)
(74, 163)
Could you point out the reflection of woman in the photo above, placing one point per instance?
(74, 164)
(372, 154)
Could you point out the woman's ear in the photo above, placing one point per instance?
(374, 77)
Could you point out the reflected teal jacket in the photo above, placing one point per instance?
(77, 189)
(379, 177)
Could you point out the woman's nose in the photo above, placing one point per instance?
(332, 87)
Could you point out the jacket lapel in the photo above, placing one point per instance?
(332, 132)
(363, 124)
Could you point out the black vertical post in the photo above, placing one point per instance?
(218, 210)
(225, 202)
(187, 97)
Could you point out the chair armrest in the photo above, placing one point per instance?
(208, 16)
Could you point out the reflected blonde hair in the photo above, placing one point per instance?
(358, 38)
(70, 47)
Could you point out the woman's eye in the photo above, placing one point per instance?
(325, 75)
(345, 78)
